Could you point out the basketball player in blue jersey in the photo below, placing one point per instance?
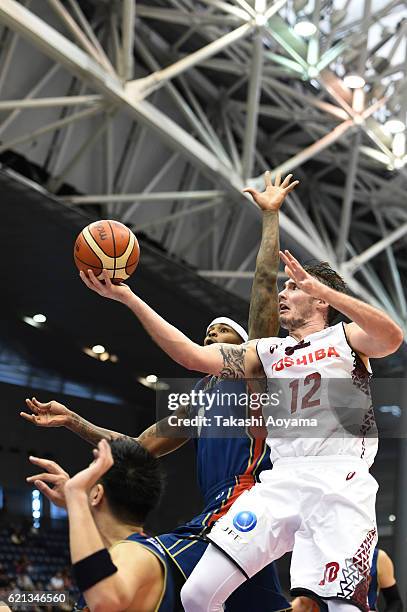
(115, 565)
(226, 466)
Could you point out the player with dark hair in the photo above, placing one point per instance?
(319, 498)
(324, 273)
(226, 466)
(115, 565)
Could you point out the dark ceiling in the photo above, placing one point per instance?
(38, 275)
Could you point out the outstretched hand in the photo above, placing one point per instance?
(48, 414)
(105, 287)
(55, 476)
(83, 481)
(304, 281)
(274, 195)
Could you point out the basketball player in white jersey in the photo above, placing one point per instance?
(319, 498)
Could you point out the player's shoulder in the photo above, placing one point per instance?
(138, 553)
(383, 558)
(269, 339)
(272, 342)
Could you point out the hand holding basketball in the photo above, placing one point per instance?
(104, 286)
(107, 245)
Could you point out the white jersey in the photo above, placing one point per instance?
(324, 404)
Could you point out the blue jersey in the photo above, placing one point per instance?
(169, 596)
(374, 584)
(229, 458)
(229, 461)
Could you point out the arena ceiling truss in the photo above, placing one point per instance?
(213, 92)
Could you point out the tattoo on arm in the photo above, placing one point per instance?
(91, 433)
(233, 358)
(150, 432)
(162, 438)
(263, 315)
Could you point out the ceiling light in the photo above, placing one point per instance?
(104, 356)
(305, 29)
(39, 318)
(399, 145)
(392, 518)
(400, 162)
(261, 20)
(151, 381)
(114, 358)
(30, 321)
(394, 126)
(354, 81)
(98, 349)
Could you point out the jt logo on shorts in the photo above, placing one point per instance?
(331, 573)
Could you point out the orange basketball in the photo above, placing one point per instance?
(108, 245)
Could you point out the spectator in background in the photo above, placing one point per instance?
(16, 536)
(57, 582)
(24, 582)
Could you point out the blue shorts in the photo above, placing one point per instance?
(261, 593)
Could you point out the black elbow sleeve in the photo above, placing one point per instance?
(392, 598)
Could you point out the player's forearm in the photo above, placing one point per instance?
(374, 322)
(163, 437)
(160, 439)
(263, 315)
(85, 540)
(170, 339)
(84, 537)
(89, 432)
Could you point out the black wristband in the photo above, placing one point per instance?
(91, 570)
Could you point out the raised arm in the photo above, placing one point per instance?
(223, 360)
(55, 414)
(159, 439)
(126, 573)
(263, 315)
(372, 332)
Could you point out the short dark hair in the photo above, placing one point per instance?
(134, 483)
(324, 273)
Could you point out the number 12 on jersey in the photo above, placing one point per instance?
(301, 393)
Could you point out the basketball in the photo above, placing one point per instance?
(108, 245)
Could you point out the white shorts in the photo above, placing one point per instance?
(321, 508)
